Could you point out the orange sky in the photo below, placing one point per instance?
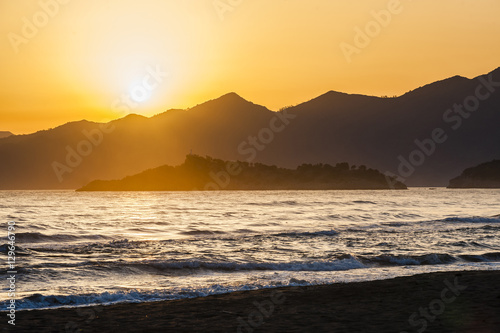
(65, 60)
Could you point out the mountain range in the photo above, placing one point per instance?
(4, 134)
(425, 137)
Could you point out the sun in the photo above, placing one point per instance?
(139, 93)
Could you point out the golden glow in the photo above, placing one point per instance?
(275, 53)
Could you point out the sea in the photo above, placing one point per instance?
(76, 249)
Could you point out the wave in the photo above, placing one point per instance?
(165, 266)
(38, 237)
(336, 265)
(274, 203)
(342, 262)
(19, 251)
(486, 257)
(404, 260)
(409, 220)
(427, 259)
(39, 301)
(94, 247)
(307, 234)
(472, 219)
(198, 232)
(132, 245)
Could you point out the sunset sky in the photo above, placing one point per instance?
(80, 59)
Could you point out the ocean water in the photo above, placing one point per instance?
(75, 249)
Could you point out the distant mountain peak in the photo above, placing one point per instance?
(229, 99)
(438, 87)
(4, 134)
(333, 93)
(232, 97)
(228, 103)
(456, 78)
(335, 98)
(134, 116)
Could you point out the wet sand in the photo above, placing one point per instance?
(437, 302)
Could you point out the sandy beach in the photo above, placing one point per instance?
(437, 302)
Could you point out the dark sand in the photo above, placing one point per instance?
(378, 306)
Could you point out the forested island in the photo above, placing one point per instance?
(209, 174)
(485, 175)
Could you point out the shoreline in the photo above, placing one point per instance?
(459, 301)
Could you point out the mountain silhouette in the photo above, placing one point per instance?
(4, 134)
(387, 134)
(485, 175)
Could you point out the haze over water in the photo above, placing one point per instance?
(76, 248)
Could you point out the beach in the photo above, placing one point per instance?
(435, 302)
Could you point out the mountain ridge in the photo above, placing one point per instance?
(330, 128)
(5, 134)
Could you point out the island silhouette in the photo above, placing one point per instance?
(210, 174)
(485, 175)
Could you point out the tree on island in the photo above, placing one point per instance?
(207, 173)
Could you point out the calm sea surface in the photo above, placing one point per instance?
(99, 248)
